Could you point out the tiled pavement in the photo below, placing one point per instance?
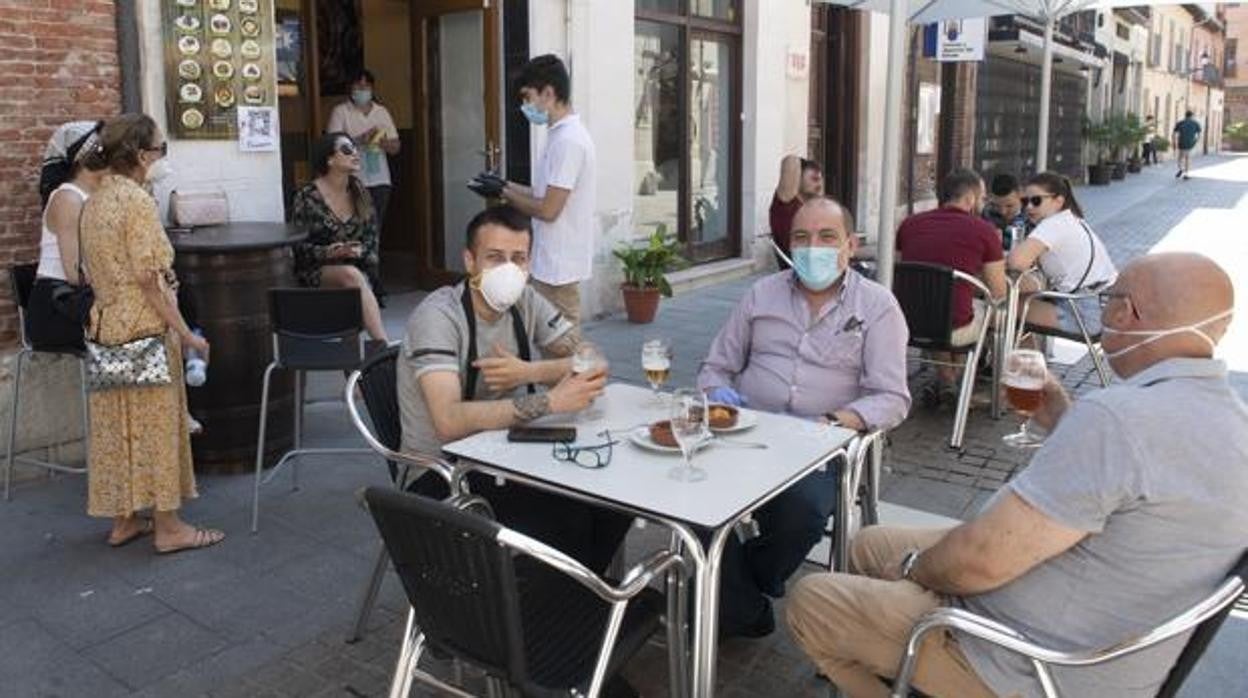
(266, 615)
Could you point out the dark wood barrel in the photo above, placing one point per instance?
(226, 271)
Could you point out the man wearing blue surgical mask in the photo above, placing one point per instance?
(818, 341)
(562, 198)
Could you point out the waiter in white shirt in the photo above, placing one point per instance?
(372, 128)
(562, 198)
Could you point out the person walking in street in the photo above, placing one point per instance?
(337, 213)
(1129, 512)
(820, 342)
(139, 449)
(372, 128)
(1186, 133)
(1148, 149)
(954, 236)
(1070, 255)
(800, 181)
(562, 199)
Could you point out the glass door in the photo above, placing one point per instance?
(458, 124)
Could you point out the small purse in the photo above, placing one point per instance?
(139, 363)
(191, 209)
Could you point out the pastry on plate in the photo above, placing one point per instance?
(187, 23)
(250, 26)
(224, 96)
(722, 416)
(219, 4)
(248, 6)
(253, 94)
(661, 434)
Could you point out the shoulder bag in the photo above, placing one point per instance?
(142, 362)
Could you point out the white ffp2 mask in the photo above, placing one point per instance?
(502, 285)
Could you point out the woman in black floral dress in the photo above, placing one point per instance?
(337, 213)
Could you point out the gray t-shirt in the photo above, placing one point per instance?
(437, 340)
(1156, 471)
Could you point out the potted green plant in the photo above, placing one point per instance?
(1097, 136)
(1118, 138)
(1161, 144)
(645, 262)
(1236, 136)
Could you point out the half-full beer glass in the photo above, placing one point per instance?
(1023, 378)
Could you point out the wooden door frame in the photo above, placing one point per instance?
(842, 91)
(429, 247)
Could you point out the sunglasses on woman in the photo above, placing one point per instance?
(163, 149)
(1037, 199)
(348, 149)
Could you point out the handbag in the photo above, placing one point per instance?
(191, 209)
(139, 363)
(70, 301)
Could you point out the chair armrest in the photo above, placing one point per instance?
(437, 465)
(634, 582)
(981, 289)
(1063, 296)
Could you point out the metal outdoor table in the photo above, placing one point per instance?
(738, 481)
(228, 270)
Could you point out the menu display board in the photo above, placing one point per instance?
(218, 57)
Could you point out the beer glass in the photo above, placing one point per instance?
(1024, 376)
(689, 427)
(656, 362)
(587, 359)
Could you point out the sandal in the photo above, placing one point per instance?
(146, 528)
(203, 538)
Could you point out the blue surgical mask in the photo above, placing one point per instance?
(817, 267)
(361, 97)
(536, 115)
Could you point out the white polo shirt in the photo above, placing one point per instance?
(346, 117)
(563, 249)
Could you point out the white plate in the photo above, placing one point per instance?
(641, 437)
(746, 419)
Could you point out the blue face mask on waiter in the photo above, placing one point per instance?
(535, 114)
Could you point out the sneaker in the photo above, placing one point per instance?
(1178, 174)
(1185, 176)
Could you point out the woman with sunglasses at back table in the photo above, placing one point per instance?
(1070, 255)
(336, 212)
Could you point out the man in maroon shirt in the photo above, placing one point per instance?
(954, 235)
(800, 181)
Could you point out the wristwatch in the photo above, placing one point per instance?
(908, 564)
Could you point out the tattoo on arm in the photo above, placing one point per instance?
(530, 407)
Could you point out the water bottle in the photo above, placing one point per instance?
(196, 366)
(1014, 232)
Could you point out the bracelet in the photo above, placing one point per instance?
(530, 407)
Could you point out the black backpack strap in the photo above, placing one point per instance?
(522, 343)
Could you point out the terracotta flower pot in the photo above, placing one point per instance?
(641, 304)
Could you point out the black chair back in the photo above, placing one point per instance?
(460, 581)
(22, 278)
(925, 293)
(317, 329)
(1200, 639)
(379, 384)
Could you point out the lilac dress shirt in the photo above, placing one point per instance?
(851, 355)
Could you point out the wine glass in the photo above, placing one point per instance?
(1024, 377)
(689, 427)
(656, 362)
(587, 359)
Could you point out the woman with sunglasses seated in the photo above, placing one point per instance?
(1070, 256)
(337, 213)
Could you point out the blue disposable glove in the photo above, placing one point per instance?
(727, 396)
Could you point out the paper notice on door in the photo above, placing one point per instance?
(257, 129)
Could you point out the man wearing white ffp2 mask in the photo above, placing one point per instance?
(470, 363)
(1130, 510)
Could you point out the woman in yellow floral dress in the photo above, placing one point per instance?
(139, 451)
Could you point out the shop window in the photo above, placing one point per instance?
(686, 134)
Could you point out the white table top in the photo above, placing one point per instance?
(736, 478)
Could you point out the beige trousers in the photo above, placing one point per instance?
(855, 626)
(567, 298)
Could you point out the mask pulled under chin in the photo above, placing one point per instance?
(501, 286)
(817, 267)
(161, 169)
(1151, 336)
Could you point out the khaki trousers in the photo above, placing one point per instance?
(855, 626)
(567, 298)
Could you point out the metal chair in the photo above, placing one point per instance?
(534, 619)
(22, 277)
(376, 382)
(1205, 616)
(313, 330)
(925, 293)
(860, 488)
(1091, 340)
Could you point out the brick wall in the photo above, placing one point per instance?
(58, 63)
